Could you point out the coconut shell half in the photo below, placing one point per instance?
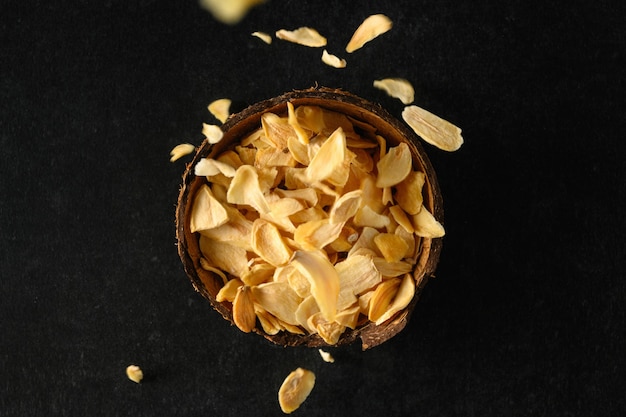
(241, 124)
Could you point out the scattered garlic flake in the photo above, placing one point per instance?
(397, 88)
(265, 37)
(134, 373)
(333, 60)
(295, 389)
(372, 27)
(304, 36)
(326, 356)
(229, 11)
(433, 129)
(181, 150)
(220, 109)
(213, 133)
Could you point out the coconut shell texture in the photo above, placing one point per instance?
(238, 126)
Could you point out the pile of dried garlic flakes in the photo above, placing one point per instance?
(313, 222)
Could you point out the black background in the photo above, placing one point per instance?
(526, 316)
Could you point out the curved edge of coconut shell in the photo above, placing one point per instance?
(247, 120)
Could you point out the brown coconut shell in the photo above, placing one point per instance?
(238, 126)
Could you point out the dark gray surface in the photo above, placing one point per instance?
(526, 315)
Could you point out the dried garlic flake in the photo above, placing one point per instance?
(229, 11)
(134, 373)
(220, 109)
(433, 129)
(333, 60)
(213, 133)
(295, 389)
(243, 309)
(181, 150)
(372, 27)
(397, 88)
(304, 36)
(326, 356)
(265, 37)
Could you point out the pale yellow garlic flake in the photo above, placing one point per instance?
(134, 373)
(272, 157)
(401, 218)
(411, 240)
(207, 167)
(225, 256)
(279, 299)
(409, 192)
(220, 109)
(329, 331)
(229, 11)
(213, 133)
(307, 196)
(317, 233)
(333, 60)
(328, 158)
(311, 118)
(426, 225)
(246, 189)
(357, 274)
(236, 231)
(299, 151)
(404, 295)
(244, 315)
(207, 212)
(365, 241)
(392, 269)
(367, 217)
(285, 207)
(307, 308)
(292, 119)
(265, 37)
(295, 389)
(349, 317)
(397, 88)
(323, 278)
(433, 129)
(304, 36)
(372, 27)
(393, 247)
(276, 130)
(231, 158)
(299, 282)
(181, 150)
(258, 274)
(345, 207)
(229, 291)
(269, 244)
(395, 166)
(270, 324)
(382, 297)
(326, 356)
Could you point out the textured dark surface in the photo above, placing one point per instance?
(526, 315)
